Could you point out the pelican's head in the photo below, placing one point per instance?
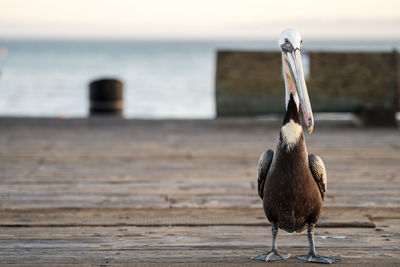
(290, 44)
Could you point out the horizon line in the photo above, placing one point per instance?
(187, 39)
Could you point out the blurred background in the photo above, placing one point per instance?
(163, 51)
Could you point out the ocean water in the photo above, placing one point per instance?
(162, 79)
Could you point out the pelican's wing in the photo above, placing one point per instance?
(264, 163)
(318, 171)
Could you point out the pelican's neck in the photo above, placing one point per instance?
(292, 111)
(291, 129)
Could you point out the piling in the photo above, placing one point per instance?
(106, 97)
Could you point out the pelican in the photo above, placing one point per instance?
(292, 183)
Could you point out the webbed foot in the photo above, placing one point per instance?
(271, 256)
(317, 258)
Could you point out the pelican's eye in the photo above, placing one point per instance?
(287, 43)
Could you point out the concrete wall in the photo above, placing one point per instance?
(250, 83)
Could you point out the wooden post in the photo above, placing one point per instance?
(106, 97)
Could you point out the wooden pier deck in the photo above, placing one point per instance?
(113, 191)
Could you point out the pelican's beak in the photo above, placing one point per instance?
(294, 73)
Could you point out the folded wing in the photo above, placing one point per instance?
(318, 171)
(264, 163)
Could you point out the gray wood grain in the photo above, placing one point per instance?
(100, 191)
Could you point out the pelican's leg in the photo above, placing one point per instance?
(312, 257)
(272, 255)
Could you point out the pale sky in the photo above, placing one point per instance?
(200, 19)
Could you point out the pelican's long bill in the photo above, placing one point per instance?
(295, 83)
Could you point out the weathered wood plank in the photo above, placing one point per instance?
(217, 244)
(204, 220)
(370, 212)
